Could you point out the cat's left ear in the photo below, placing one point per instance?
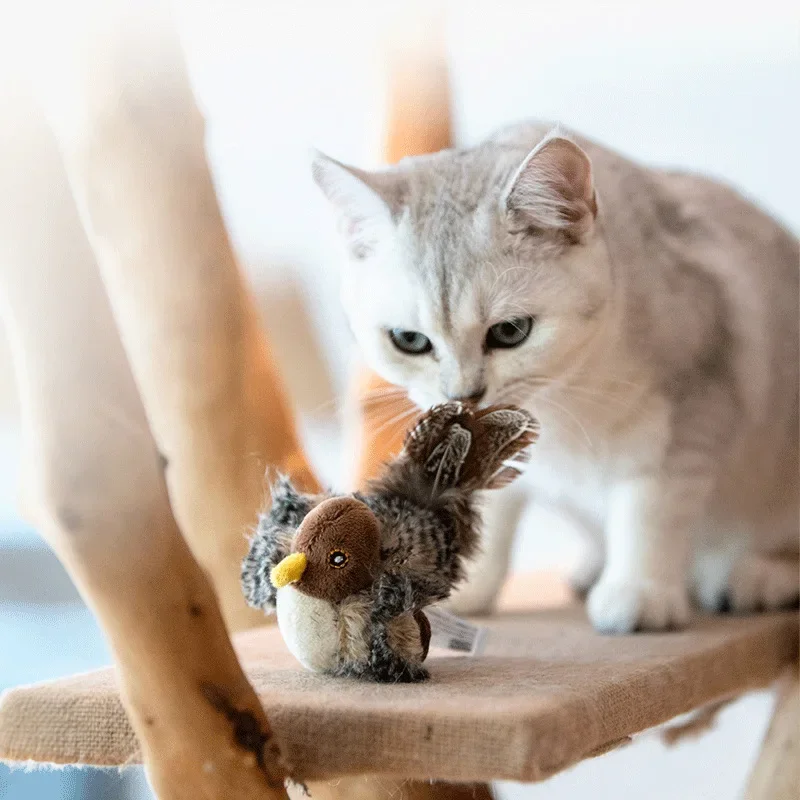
(367, 202)
(553, 190)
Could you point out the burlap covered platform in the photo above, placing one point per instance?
(546, 693)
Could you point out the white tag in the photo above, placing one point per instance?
(449, 632)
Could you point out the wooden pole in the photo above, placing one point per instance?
(418, 121)
(378, 788)
(132, 138)
(93, 484)
(776, 775)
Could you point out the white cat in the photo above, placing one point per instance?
(648, 318)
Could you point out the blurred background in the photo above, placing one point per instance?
(709, 86)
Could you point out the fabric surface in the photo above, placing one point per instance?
(546, 692)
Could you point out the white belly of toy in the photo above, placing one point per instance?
(309, 628)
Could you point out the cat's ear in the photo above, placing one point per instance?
(367, 202)
(553, 190)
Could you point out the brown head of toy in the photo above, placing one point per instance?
(335, 552)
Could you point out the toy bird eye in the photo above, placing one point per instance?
(337, 559)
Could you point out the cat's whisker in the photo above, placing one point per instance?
(611, 380)
(376, 395)
(335, 404)
(385, 390)
(514, 397)
(513, 390)
(384, 399)
(397, 420)
(387, 400)
(514, 386)
(597, 399)
(549, 401)
(582, 393)
(389, 409)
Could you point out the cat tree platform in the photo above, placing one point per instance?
(545, 693)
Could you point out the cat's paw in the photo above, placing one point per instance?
(628, 605)
(585, 572)
(754, 583)
(476, 598)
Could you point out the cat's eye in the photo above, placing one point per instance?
(510, 333)
(338, 558)
(412, 342)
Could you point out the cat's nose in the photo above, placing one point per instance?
(474, 397)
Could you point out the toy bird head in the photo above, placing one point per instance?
(335, 551)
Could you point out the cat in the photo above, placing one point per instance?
(648, 318)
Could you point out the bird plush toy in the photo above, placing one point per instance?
(349, 576)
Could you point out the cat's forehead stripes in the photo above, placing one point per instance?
(464, 285)
(451, 202)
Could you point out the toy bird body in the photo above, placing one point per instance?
(310, 628)
(336, 637)
(349, 576)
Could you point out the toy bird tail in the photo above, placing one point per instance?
(454, 446)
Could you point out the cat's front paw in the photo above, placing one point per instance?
(627, 605)
(585, 572)
(474, 598)
(477, 596)
(754, 583)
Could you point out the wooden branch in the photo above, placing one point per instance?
(133, 141)
(381, 788)
(418, 121)
(776, 775)
(376, 424)
(418, 117)
(94, 486)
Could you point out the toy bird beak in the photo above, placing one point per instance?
(290, 570)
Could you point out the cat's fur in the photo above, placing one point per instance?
(663, 363)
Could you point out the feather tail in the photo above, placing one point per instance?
(454, 446)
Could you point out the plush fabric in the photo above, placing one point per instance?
(545, 693)
(339, 528)
(309, 628)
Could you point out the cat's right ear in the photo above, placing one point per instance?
(367, 203)
(553, 189)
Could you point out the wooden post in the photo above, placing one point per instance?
(133, 142)
(94, 486)
(377, 788)
(418, 121)
(776, 775)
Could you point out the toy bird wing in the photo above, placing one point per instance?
(272, 541)
(400, 591)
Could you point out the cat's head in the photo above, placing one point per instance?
(472, 274)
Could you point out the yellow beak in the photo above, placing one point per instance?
(289, 570)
